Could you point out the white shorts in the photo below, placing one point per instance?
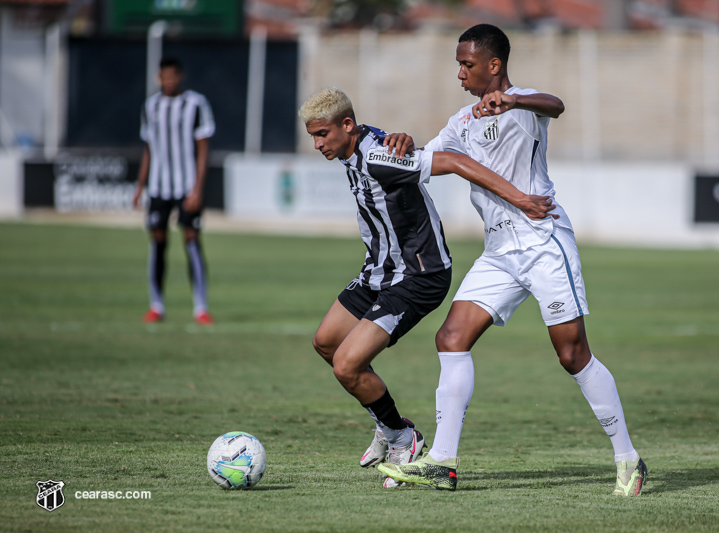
(551, 272)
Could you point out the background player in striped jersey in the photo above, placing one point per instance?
(509, 135)
(176, 127)
(407, 268)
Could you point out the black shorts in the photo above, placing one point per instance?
(158, 214)
(397, 309)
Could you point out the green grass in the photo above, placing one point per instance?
(91, 396)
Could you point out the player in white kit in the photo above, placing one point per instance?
(507, 133)
(407, 268)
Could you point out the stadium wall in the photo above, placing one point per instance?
(638, 204)
(11, 184)
(632, 156)
(649, 96)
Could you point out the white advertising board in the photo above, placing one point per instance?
(638, 204)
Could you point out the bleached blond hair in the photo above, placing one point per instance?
(329, 104)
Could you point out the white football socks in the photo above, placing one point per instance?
(456, 385)
(600, 390)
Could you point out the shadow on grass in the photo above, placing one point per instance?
(268, 487)
(676, 480)
(657, 481)
(536, 479)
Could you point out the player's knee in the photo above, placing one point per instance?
(322, 347)
(159, 236)
(346, 374)
(451, 339)
(573, 357)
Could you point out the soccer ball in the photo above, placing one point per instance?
(236, 460)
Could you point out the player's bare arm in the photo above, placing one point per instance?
(497, 102)
(193, 201)
(142, 176)
(536, 207)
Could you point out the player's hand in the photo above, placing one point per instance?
(538, 207)
(494, 103)
(192, 203)
(401, 143)
(136, 198)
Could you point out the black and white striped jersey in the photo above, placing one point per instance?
(397, 218)
(170, 125)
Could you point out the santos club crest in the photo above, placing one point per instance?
(49, 494)
(491, 129)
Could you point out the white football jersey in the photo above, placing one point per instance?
(514, 145)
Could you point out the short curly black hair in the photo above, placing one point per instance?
(490, 39)
(171, 62)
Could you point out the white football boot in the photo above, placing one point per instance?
(377, 450)
(404, 455)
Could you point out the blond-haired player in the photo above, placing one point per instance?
(407, 269)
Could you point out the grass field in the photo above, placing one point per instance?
(91, 396)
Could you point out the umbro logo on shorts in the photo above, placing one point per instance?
(557, 306)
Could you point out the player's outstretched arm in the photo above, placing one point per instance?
(497, 102)
(536, 207)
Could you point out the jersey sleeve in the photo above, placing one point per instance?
(527, 120)
(448, 139)
(204, 120)
(392, 172)
(426, 163)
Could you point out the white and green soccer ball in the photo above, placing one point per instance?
(236, 460)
